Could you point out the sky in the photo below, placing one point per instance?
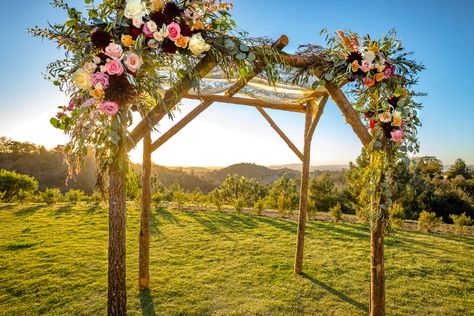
(440, 33)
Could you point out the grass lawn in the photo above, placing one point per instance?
(53, 261)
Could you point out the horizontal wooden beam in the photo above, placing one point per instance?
(248, 102)
(280, 132)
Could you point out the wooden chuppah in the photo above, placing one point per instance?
(313, 111)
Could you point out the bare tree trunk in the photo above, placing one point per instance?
(377, 274)
(304, 191)
(117, 290)
(144, 242)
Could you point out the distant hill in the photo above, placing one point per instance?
(297, 167)
(250, 170)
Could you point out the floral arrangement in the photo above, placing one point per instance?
(112, 58)
(381, 77)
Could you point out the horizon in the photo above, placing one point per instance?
(228, 134)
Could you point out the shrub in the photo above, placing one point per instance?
(73, 196)
(11, 183)
(363, 213)
(461, 222)
(180, 198)
(22, 196)
(397, 214)
(427, 221)
(258, 207)
(51, 196)
(239, 204)
(157, 198)
(336, 213)
(96, 198)
(215, 197)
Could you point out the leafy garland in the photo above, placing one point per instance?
(112, 57)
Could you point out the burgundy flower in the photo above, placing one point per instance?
(393, 100)
(354, 56)
(169, 47)
(135, 32)
(369, 114)
(100, 39)
(185, 29)
(172, 10)
(388, 128)
(120, 90)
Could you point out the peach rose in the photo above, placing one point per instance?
(132, 61)
(182, 41)
(127, 40)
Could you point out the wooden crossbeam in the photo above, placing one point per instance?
(280, 132)
(249, 102)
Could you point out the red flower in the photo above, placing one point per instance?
(135, 32)
(372, 124)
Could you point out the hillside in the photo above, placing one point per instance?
(250, 170)
(215, 263)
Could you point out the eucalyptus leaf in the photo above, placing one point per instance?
(241, 56)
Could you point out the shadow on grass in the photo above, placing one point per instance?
(154, 229)
(63, 210)
(221, 222)
(345, 231)
(279, 223)
(146, 303)
(333, 291)
(162, 212)
(27, 211)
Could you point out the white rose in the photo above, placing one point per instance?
(90, 67)
(82, 79)
(135, 9)
(369, 55)
(198, 45)
(152, 26)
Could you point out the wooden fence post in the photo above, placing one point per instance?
(144, 240)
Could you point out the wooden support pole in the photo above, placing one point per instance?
(318, 110)
(281, 133)
(304, 191)
(117, 289)
(144, 239)
(377, 270)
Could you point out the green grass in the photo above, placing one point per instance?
(53, 261)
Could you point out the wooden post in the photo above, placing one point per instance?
(144, 240)
(117, 290)
(304, 191)
(377, 272)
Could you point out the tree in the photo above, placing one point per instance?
(322, 193)
(428, 165)
(283, 194)
(459, 169)
(11, 183)
(244, 190)
(51, 196)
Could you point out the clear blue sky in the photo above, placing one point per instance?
(439, 32)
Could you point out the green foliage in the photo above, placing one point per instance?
(240, 188)
(177, 194)
(428, 221)
(283, 195)
(215, 197)
(259, 207)
(157, 198)
(11, 183)
(336, 213)
(133, 186)
(462, 222)
(51, 196)
(322, 193)
(459, 169)
(73, 196)
(239, 204)
(397, 214)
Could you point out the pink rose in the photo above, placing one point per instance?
(114, 51)
(109, 108)
(89, 102)
(101, 78)
(397, 136)
(147, 31)
(114, 67)
(366, 65)
(389, 71)
(133, 62)
(174, 31)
